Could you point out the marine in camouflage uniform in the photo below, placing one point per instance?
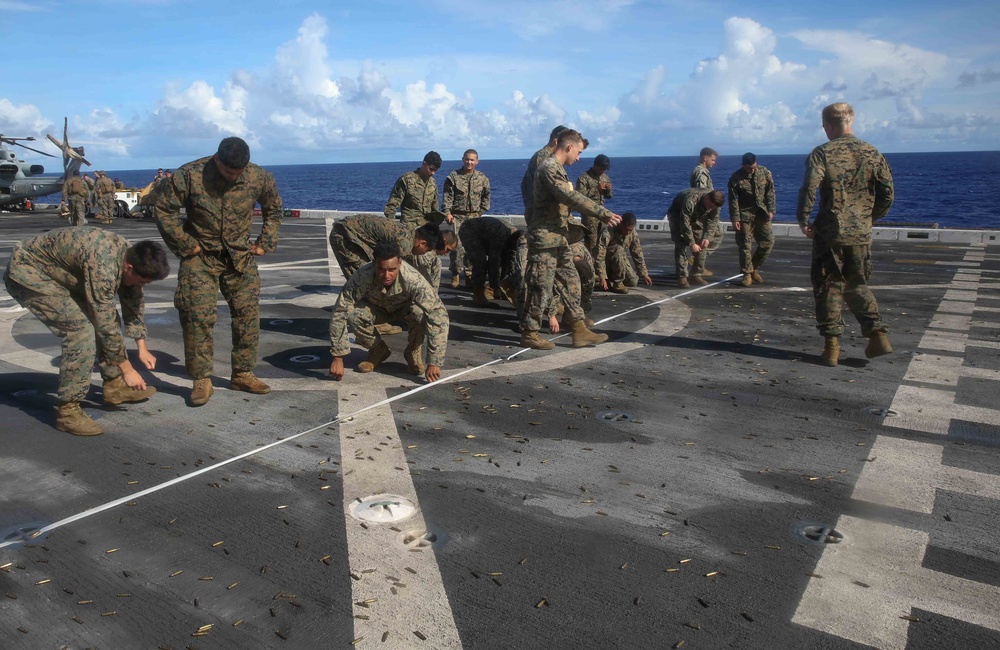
(583, 264)
(594, 184)
(365, 302)
(354, 238)
(487, 242)
(692, 218)
(855, 188)
(701, 177)
(751, 210)
(68, 278)
(528, 180)
(466, 196)
(548, 248)
(75, 194)
(219, 193)
(105, 191)
(415, 193)
(617, 251)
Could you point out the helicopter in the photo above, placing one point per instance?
(18, 182)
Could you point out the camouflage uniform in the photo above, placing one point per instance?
(751, 203)
(353, 239)
(75, 193)
(590, 187)
(614, 251)
(105, 190)
(689, 223)
(414, 197)
(484, 240)
(528, 182)
(68, 278)
(548, 248)
(701, 177)
(855, 188)
(466, 196)
(219, 219)
(583, 263)
(364, 303)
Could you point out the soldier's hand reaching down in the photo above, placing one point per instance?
(337, 368)
(433, 373)
(257, 250)
(145, 355)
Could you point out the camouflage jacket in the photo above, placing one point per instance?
(104, 186)
(612, 238)
(490, 232)
(89, 182)
(554, 198)
(88, 262)
(528, 180)
(219, 213)
(855, 188)
(369, 230)
(701, 177)
(414, 197)
(687, 215)
(466, 193)
(74, 188)
(410, 292)
(750, 194)
(590, 187)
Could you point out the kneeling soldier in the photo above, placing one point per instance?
(617, 250)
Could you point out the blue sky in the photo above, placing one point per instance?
(149, 83)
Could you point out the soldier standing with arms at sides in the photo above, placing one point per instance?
(855, 188)
(75, 193)
(105, 190)
(693, 214)
(466, 196)
(219, 193)
(68, 278)
(382, 291)
(415, 193)
(751, 211)
(548, 248)
(595, 184)
(701, 177)
(528, 180)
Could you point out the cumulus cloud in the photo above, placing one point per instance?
(23, 120)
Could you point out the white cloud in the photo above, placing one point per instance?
(23, 120)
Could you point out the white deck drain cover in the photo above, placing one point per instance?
(382, 508)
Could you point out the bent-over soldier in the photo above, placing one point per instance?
(693, 215)
(491, 249)
(354, 238)
(466, 196)
(855, 188)
(219, 193)
(68, 278)
(751, 211)
(383, 291)
(415, 193)
(617, 251)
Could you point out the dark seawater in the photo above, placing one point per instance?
(952, 190)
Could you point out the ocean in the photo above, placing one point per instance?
(952, 190)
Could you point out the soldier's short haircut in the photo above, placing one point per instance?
(472, 151)
(430, 233)
(569, 136)
(708, 151)
(433, 159)
(556, 132)
(839, 114)
(386, 250)
(449, 239)
(148, 259)
(234, 153)
(718, 197)
(602, 161)
(628, 219)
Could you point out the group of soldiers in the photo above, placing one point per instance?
(68, 278)
(80, 193)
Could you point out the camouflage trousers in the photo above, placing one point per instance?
(540, 281)
(460, 261)
(484, 258)
(106, 205)
(714, 237)
(758, 230)
(592, 232)
(619, 267)
(66, 316)
(77, 211)
(199, 281)
(364, 317)
(583, 261)
(840, 274)
(350, 253)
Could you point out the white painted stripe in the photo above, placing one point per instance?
(932, 410)
(950, 322)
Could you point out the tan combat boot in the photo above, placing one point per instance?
(454, 281)
(71, 419)
(479, 297)
(582, 336)
(619, 287)
(683, 283)
(491, 294)
(831, 351)
(757, 277)
(707, 273)
(747, 280)
(697, 279)
(116, 392)
(531, 339)
(376, 355)
(201, 392)
(248, 383)
(878, 345)
(387, 329)
(414, 356)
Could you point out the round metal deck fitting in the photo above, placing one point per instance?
(281, 321)
(614, 416)
(382, 508)
(812, 532)
(22, 533)
(27, 392)
(882, 411)
(304, 358)
(419, 538)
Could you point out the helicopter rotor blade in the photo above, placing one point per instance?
(44, 153)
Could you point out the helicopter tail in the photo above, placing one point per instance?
(73, 157)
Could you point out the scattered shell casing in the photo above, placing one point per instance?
(217, 544)
(711, 573)
(111, 550)
(232, 586)
(541, 603)
(747, 616)
(238, 622)
(84, 602)
(419, 635)
(111, 613)
(42, 582)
